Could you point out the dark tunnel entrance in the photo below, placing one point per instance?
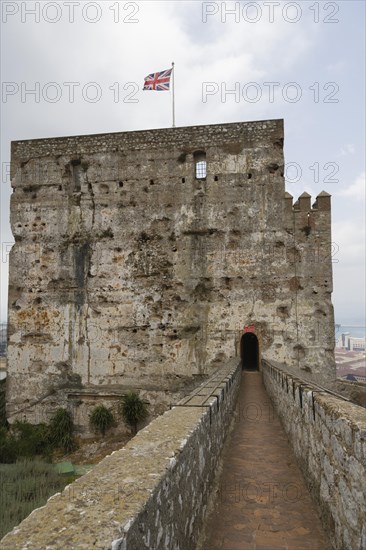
(249, 351)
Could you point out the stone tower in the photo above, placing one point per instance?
(143, 259)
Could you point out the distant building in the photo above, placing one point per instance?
(350, 343)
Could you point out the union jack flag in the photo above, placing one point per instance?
(158, 81)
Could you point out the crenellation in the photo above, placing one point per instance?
(323, 201)
(304, 202)
(269, 132)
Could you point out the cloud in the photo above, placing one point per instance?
(349, 236)
(348, 257)
(336, 67)
(348, 149)
(356, 190)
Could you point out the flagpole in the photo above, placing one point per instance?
(173, 94)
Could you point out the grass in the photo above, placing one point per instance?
(24, 486)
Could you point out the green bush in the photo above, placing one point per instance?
(31, 439)
(8, 451)
(61, 430)
(101, 419)
(24, 440)
(3, 422)
(25, 486)
(133, 410)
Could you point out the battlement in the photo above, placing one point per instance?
(189, 138)
(303, 203)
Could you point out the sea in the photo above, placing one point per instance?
(357, 331)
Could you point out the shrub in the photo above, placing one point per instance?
(25, 440)
(133, 410)
(101, 419)
(31, 439)
(8, 452)
(61, 430)
(3, 422)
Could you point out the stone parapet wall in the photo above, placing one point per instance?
(328, 435)
(151, 494)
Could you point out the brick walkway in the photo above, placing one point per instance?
(263, 501)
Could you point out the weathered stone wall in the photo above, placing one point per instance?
(153, 493)
(328, 435)
(129, 272)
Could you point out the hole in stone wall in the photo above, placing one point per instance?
(249, 176)
(282, 312)
(104, 188)
(299, 351)
(182, 157)
(216, 178)
(183, 180)
(272, 168)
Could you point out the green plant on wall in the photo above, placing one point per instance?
(101, 419)
(61, 430)
(133, 410)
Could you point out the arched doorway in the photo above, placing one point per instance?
(249, 351)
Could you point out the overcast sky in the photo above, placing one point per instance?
(301, 61)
